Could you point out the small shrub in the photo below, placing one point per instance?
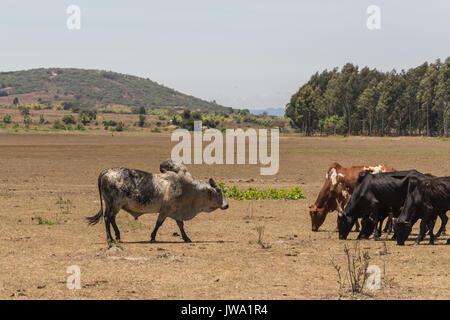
(141, 122)
(58, 125)
(27, 121)
(7, 119)
(65, 205)
(356, 269)
(260, 231)
(43, 221)
(69, 119)
(120, 126)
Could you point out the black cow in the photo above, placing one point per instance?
(374, 196)
(426, 199)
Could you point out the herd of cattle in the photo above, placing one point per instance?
(371, 193)
(374, 193)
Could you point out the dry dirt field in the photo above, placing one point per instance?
(224, 261)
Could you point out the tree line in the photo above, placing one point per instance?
(374, 103)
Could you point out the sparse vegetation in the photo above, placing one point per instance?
(43, 221)
(260, 231)
(253, 193)
(355, 274)
(65, 205)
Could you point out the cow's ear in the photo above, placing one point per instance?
(212, 183)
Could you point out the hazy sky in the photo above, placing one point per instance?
(243, 53)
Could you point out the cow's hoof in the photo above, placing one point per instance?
(187, 240)
(152, 240)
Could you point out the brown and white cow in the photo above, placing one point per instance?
(338, 188)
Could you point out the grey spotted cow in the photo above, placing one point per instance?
(173, 193)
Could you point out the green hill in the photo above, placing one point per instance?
(94, 88)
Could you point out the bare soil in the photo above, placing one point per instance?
(224, 261)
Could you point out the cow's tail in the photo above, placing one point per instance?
(95, 219)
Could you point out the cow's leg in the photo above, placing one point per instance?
(366, 228)
(114, 212)
(388, 227)
(107, 217)
(377, 220)
(373, 216)
(444, 220)
(183, 233)
(159, 223)
(430, 223)
(422, 232)
(394, 236)
(378, 227)
(357, 226)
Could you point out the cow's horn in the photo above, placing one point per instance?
(212, 183)
(339, 206)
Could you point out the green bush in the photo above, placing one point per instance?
(253, 193)
(109, 123)
(141, 122)
(69, 119)
(120, 126)
(58, 125)
(7, 119)
(27, 121)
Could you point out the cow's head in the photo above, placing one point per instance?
(402, 229)
(318, 216)
(216, 197)
(344, 222)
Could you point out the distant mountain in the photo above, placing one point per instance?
(277, 112)
(94, 88)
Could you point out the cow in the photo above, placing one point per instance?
(374, 196)
(426, 199)
(173, 193)
(338, 188)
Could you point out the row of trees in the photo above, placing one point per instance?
(370, 102)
